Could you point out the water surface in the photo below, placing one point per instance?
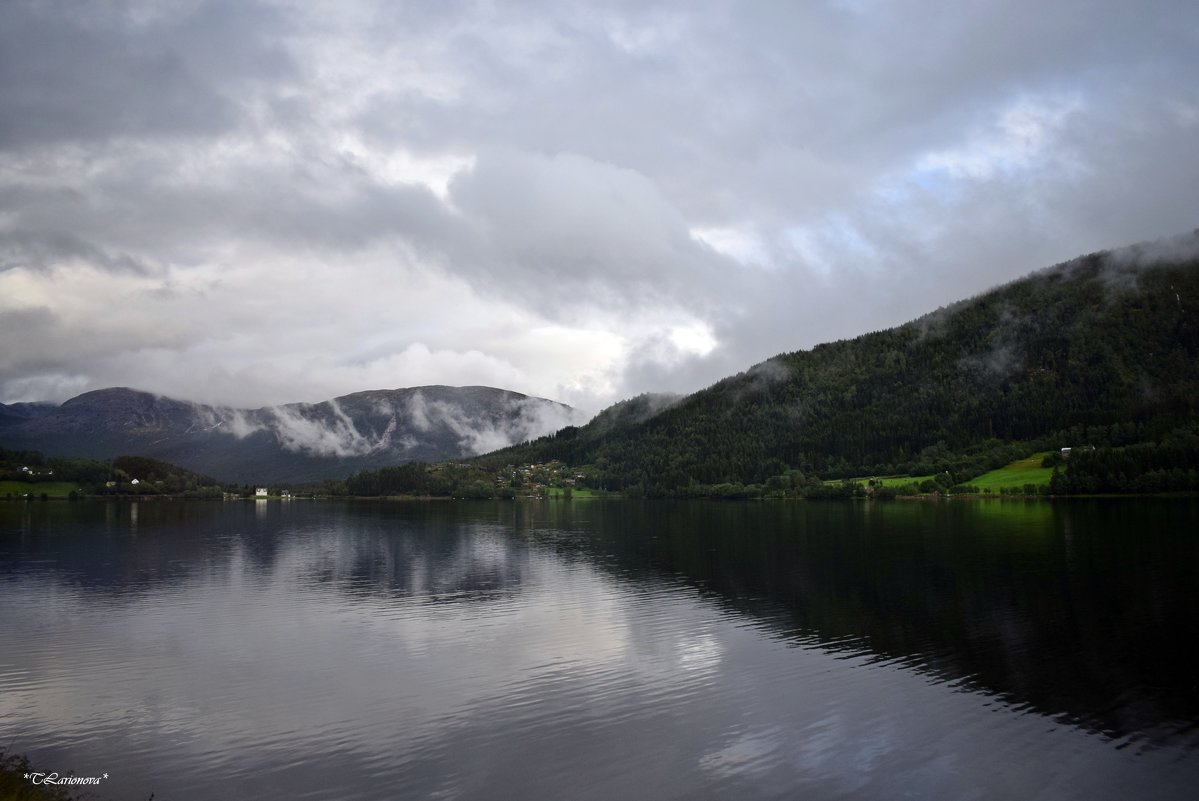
(605, 649)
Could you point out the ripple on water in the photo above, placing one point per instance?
(445, 654)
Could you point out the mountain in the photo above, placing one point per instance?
(1100, 350)
(630, 412)
(290, 443)
(19, 412)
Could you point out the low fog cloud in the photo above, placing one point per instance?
(251, 204)
(518, 421)
(329, 430)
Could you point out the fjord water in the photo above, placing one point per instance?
(599, 650)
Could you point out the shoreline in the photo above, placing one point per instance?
(1180, 495)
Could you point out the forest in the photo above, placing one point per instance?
(32, 474)
(1102, 351)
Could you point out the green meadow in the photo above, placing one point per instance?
(884, 481)
(577, 493)
(897, 481)
(1016, 474)
(53, 489)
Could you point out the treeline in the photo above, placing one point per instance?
(1171, 465)
(163, 477)
(33, 466)
(101, 477)
(1045, 362)
(421, 479)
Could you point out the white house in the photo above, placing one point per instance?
(260, 492)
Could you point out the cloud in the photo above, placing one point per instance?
(522, 420)
(253, 203)
(1167, 250)
(84, 75)
(1021, 139)
(328, 430)
(569, 228)
(321, 437)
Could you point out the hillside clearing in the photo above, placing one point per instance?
(577, 493)
(52, 489)
(1016, 474)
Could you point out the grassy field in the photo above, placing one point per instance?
(54, 489)
(886, 481)
(897, 481)
(1016, 474)
(577, 493)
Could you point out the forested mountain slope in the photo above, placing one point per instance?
(1103, 348)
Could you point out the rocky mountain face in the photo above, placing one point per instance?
(288, 443)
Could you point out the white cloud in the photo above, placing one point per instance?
(1024, 137)
(252, 204)
(744, 246)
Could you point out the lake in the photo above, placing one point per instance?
(605, 649)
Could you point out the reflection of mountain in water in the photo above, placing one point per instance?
(363, 550)
(464, 564)
(1082, 611)
(114, 548)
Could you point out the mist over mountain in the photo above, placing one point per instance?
(1100, 350)
(293, 442)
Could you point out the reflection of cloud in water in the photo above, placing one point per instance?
(840, 750)
(747, 754)
(831, 749)
(303, 658)
(699, 653)
(486, 662)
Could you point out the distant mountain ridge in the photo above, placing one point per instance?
(1103, 349)
(289, 443)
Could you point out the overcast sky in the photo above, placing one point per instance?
(254, 203)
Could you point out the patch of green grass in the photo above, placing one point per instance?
(1016, 474)
(886, 481)
(577, 493)
(54, 489)
(898, 481)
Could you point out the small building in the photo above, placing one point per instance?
(1066, 453)
(285, 495)
(135, 482)
(261, 492)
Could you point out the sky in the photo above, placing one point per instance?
(251, 203)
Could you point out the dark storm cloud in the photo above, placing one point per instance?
(584, 200)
